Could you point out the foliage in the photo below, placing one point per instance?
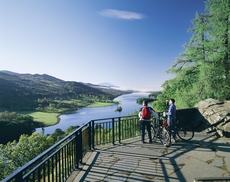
(12, 125)
(202, 70)
(151, 97)
(154, 94)
(14, 154)
(140, 100)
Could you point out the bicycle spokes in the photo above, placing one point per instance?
(185, 133)
(164, 137)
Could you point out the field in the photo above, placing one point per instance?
(100, 104)
(47, 119)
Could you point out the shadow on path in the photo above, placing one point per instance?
(204, 156)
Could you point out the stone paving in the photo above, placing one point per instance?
(204, 156)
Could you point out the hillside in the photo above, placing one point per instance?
(22, 91)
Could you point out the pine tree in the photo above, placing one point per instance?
(203, 69)
(187, 66)
(218, 64)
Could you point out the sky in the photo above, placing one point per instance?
(128, 43)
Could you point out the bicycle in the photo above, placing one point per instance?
(185, 133)
(159, 131)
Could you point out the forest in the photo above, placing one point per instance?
(202, 70)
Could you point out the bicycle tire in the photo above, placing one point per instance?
(185, 133)
(164, 137)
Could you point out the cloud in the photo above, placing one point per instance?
(127, 15)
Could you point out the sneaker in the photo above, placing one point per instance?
(174, 141)
(143, 141)
(150, 141)
(167, 145)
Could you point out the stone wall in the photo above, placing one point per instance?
(208, 115)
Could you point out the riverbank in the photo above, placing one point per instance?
(46, 119)
(102, 104)
(53, 118)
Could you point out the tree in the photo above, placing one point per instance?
(12, 125)
(202, 70)
(218, 67)
(14, 155)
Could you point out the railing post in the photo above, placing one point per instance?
(78, 147)
(90, 135)
(119, 130)
(80, 143)
(93, 133)
(113, 140)
(76, 150)
(19, 177)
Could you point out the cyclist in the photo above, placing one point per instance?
(171, 118)
(145, 120)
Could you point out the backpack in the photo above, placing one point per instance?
(146, 114)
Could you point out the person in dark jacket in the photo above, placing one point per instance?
(145, 122)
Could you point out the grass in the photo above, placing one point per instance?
(47, 119)
(100, 104)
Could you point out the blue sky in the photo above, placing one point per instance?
(129, 43)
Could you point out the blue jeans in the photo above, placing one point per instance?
(145, 124)
(171, 128)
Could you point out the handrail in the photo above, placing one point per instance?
(57, 162)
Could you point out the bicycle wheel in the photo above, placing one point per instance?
(185, 133)
(164, 137)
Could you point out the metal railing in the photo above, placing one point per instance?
(57, 162)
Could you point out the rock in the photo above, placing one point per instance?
(216, 114)
(119, 108)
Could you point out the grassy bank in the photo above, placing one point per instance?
(101, 104)
(47, 119)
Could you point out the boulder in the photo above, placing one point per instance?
(216, 115)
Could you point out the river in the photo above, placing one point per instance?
(81, 116)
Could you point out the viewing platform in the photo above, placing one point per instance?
(110, 149)
(204, 158)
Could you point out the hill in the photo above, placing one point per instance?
(23, 91)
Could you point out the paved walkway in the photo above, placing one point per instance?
(204, 156)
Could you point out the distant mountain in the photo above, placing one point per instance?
(9, 72)
(37, 77)
(107, 84)
(21, 91)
